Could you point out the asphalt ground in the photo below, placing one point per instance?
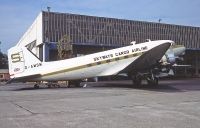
(173, 104)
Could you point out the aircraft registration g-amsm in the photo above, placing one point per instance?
(137, 60)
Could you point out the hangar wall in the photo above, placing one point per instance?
(109, 31)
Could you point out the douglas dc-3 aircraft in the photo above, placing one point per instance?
(137, 60)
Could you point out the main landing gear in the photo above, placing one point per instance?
(152, 80)
(150, 77)
(137, 80)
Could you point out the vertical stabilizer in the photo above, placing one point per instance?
(20, 59)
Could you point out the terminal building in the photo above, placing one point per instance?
(54, 36)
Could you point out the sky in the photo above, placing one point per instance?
(17, 15)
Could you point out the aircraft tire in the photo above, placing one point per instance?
(153, 82)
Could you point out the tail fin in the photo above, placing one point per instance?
(20, 59)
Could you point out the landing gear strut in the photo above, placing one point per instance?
(137, 80)
(152, 80)
(150, 77)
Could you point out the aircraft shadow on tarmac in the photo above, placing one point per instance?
(164, 85)
(159, 88)
(170, 87)
(41, 88)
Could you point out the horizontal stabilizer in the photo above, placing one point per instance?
(23, 79)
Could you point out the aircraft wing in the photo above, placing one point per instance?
(147, 60)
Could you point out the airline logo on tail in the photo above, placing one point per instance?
(17, 57)
(16, 61)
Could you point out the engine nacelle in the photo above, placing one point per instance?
(171, 58)
(168, 59)
(172, 55)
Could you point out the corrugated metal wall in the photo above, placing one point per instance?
(109, 31)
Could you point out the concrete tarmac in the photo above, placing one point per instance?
(173, 104)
